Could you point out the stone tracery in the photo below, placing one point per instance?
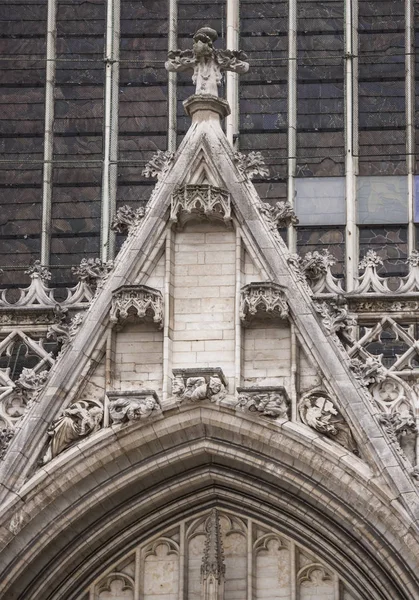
(221, 552)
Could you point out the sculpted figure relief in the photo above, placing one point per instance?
(208, 386)
(127, 409)
(318, 412)
(273, 403)
(77, 421)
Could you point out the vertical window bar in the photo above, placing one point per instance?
(172, 79)
(110, 142)
(232, 82)
(351, 134)
(410, 119)
(48, 132)
(292, 114)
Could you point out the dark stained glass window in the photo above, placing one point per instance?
(22, 98)
(142, 95)
(263, 90)
(382, 136)
(320, 89)
(311, 239)
(390, 243)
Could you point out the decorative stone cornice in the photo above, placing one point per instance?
(268, 401)
(132, 405)
(139, 300)
(318, 411)
(200, 201)
(263, 299)
(196, 384)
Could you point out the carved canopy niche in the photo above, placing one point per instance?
(216, 556)
(139, 301)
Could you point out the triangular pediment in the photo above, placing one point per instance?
(208, 308)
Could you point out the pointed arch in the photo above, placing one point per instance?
(98, 499)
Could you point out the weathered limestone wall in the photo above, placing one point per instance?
(139, 357)
(267, 354)
(204, 297)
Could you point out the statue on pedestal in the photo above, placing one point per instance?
(207, 62)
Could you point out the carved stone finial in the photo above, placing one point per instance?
(371, 259)
(207, 62)
(213, 566)
(37, 270)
